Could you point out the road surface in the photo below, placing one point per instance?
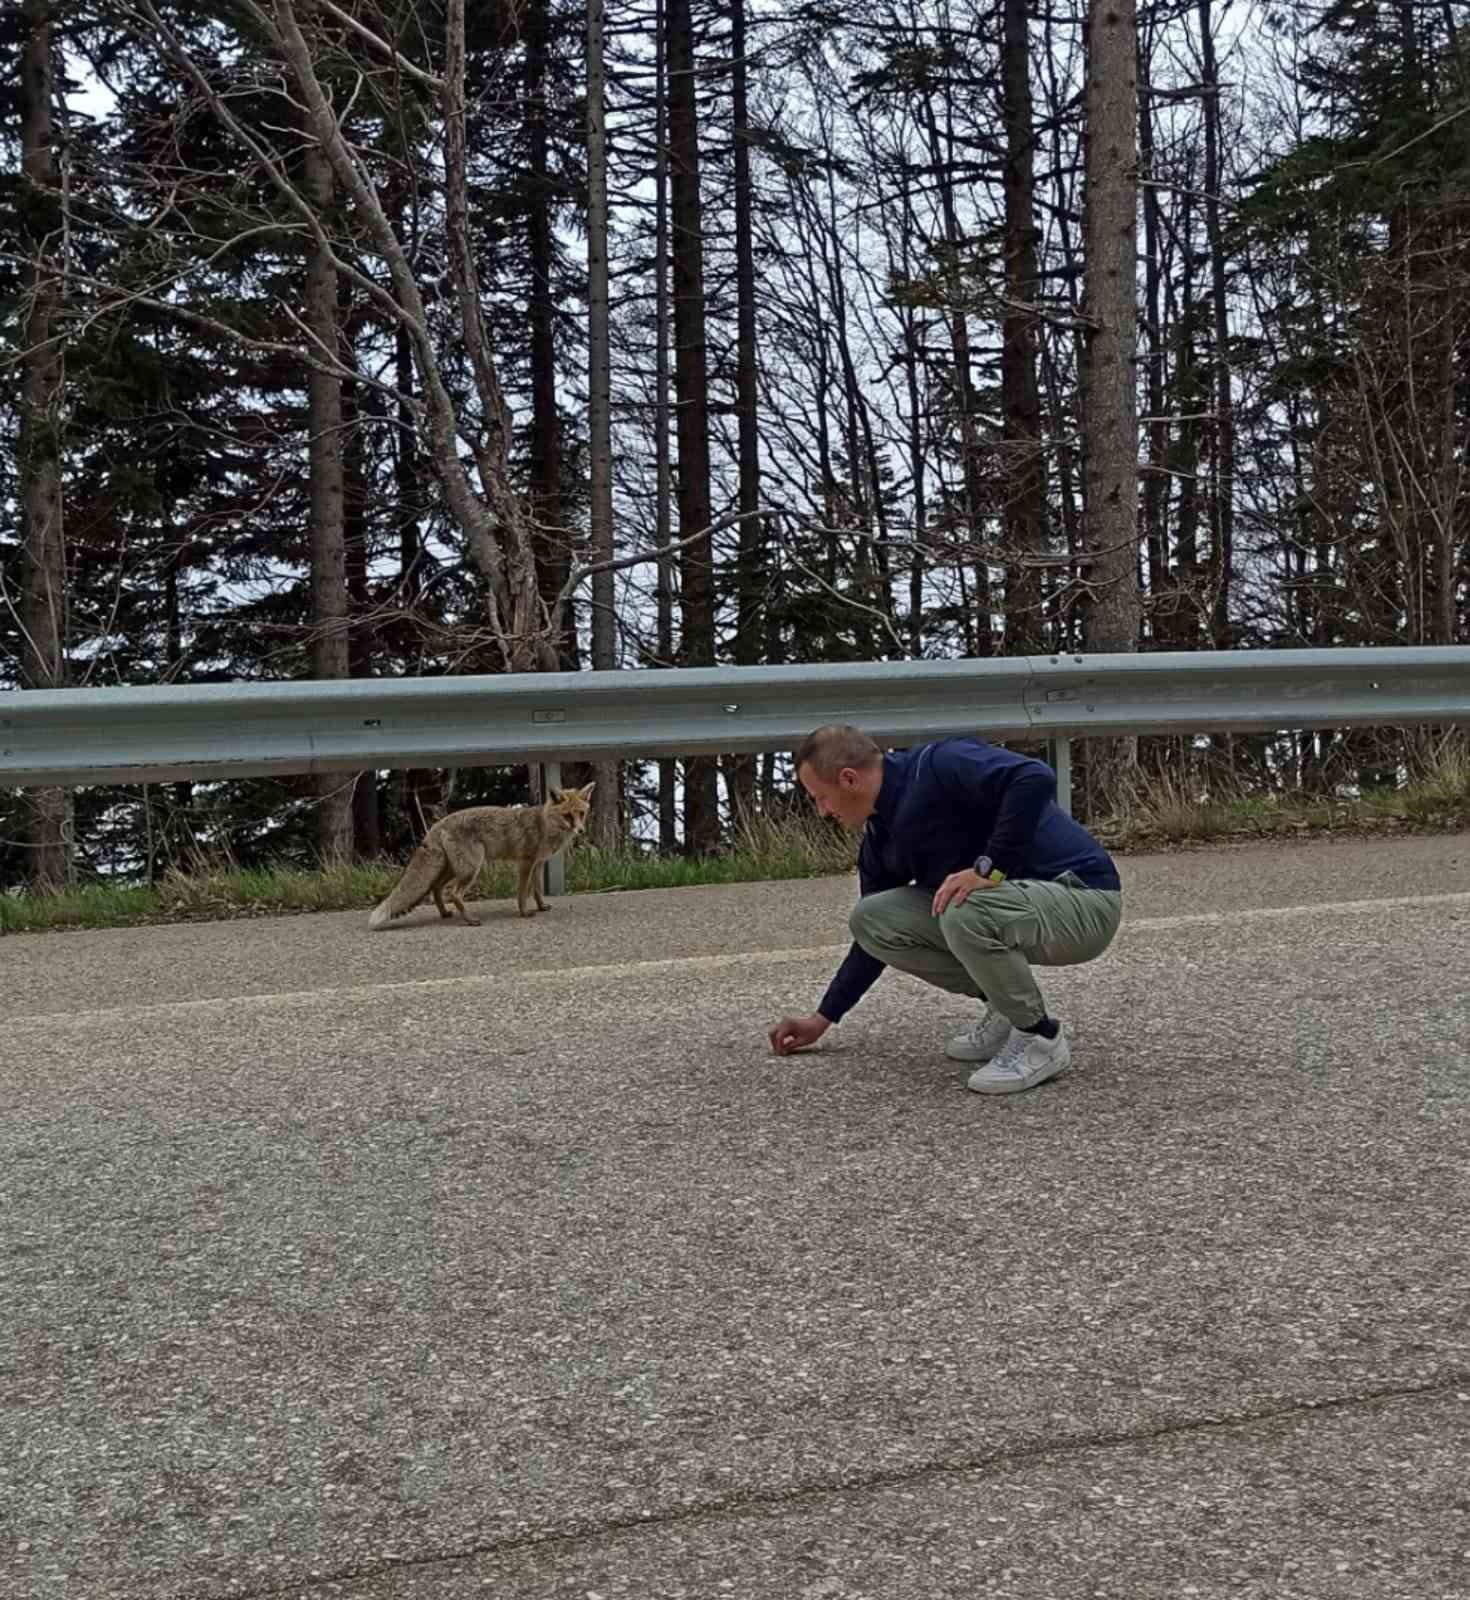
(446, 1261)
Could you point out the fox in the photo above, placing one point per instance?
(457, 846)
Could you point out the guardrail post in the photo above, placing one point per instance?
(1059, 753)
(556, 868)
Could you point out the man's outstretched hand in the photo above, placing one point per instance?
(796, 1033)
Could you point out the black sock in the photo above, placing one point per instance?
(1048, 1028)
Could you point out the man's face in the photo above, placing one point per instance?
(849, 797)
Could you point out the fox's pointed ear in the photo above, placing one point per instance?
(556, 794)
(586, 792)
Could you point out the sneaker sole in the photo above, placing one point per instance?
(1020, 1085)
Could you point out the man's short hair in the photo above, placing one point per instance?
(836, 745)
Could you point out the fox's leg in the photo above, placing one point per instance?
(445, 877)
(456, 892)
(527, 878)
(538, 879)
(464, 864)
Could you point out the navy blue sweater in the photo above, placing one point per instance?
(940, 806)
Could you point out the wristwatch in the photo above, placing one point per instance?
(986, 868)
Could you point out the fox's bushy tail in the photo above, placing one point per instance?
(417, 880)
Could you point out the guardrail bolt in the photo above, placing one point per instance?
(732, 709)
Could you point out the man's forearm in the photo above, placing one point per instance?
(857, 974)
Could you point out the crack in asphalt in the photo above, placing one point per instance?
(757, 1501)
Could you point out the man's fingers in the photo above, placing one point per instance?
(954, 891)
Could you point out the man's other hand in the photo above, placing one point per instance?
(956, 888)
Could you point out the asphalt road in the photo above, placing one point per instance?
(446, 1261)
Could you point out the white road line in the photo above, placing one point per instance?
(744, 958)
(1346, 908)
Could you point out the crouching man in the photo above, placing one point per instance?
(971, 876)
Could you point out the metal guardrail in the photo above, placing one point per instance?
(202, 731)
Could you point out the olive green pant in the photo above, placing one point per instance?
(987, 944)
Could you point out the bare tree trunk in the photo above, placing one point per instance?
(329, 612)
(750, 572)
(1223, 547)
(178, 823)
(865, 484)
(508, 555)
(668, 771)
(367, 840)
(914, 426)
(1156, 479)
(43, 597)
(857, 494)
(911, 355)
(1064, 610)
(1111, 415)
(553, 545)
(1023, 464)
(1063, 382)
(696, 561)
(813, 237)
(1448, 481)
(1158, 755)
(1189, 388)
(604, 657)
(1110, 406)
(407, 478)
(959, 333)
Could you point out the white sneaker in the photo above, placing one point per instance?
(1025, 1060)
(981, 1040)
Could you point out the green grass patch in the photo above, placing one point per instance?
(762, 851)
(1169, 814)
(92, 905)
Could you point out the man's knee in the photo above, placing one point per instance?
(882, 922)
(863, 924)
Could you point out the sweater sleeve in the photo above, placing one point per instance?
(1017, 789)
(852, 980)
(859, 971)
